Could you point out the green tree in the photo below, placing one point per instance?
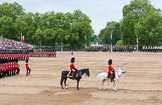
(69, 29)
(141, 20)
(6, 25)
(38, 28)
(12, 10)
(94, 39)
(105, 34)
(29, 31)
(9, 12)
(81, 29)
(149, 28)
(20, 26)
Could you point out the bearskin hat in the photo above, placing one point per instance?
(110, 61)
(26, 60)
(72, 60)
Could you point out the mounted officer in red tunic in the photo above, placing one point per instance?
(111, 71)
(73, 69)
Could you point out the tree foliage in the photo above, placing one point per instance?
(50, 28)
(141, 20)
(94, 39)
(105, 34)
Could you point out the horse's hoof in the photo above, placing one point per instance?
(114, 90)
(77, 88)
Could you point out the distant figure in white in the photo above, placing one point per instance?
(112, 74)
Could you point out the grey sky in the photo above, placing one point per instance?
(99, 11)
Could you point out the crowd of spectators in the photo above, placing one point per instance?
(12, 44)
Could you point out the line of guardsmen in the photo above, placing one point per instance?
(151, 49)
(9, 64)
(108, 48)
(10, 57)
(124, 48)
(43, 54)
(26, 56)
(9, 67)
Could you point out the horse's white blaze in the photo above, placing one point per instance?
(103, 76)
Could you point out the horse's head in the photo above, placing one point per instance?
(86, 71)
(121, 71)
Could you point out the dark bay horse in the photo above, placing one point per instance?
(78, 77)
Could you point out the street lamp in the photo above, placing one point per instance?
(61, 45)
(137, 44)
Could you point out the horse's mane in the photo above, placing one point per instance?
(85, 69)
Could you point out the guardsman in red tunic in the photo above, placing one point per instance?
(1, 70)
(28, 70)
(111, 71)
(73, 69)
(17, 66)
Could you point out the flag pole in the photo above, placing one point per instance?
(61, 45)
(21, 37)
(85, 38)
(111, 41)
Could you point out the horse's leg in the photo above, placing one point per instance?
(103, 84)
(100, 85)
(115, 85)
(61, 83)
(65, 83)
(114, 88)
(78, 84)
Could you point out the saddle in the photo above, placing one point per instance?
(71, 76)
(112, 76)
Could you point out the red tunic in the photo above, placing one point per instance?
(27, 66)
(72, 69)
(110, 69)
